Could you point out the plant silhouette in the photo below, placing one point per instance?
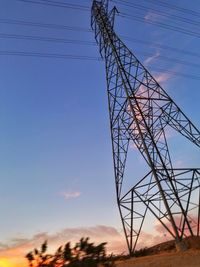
(83, 254)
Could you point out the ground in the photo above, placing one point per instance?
(190, 258)
(166, 255)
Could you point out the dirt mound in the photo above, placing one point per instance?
(166, 255)
(192, 242)
(190, 258)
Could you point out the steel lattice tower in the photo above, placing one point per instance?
(139, 111)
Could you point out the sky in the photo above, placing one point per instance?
(56, 167)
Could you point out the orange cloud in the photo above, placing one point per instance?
(12, 262)
(14, 254)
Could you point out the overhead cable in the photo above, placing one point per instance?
(57, 4)
(160, 24)
(45, 39)
(173, 7)
(158, 12)
(90, 43)
(44, 25)
(80, 57)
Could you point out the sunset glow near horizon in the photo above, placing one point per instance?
(57, 180)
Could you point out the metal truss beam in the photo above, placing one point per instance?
(140, 110)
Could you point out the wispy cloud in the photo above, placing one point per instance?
(152, 16)
(152, 58)
(179, 163)
(70, 194)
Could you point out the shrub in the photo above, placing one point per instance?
(83, 254)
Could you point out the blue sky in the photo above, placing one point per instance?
(54, 131)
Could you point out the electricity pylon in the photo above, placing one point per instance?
(140, 110)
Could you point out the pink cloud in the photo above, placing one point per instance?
(148, 240)
(178, 221)
(163, 77)
(70, 194)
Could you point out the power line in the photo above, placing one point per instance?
(44, 25)
(57, 4)
(81, 29)
(170, 6)
(48, 55)
(174, 7)
(86, 8)
(90, 58)
(46, 39)
(63, 3)
(81, 42)
(160, 46)
(160, 24)
(174, 60)
(158, 12)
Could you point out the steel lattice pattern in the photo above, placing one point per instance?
(139, 111)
